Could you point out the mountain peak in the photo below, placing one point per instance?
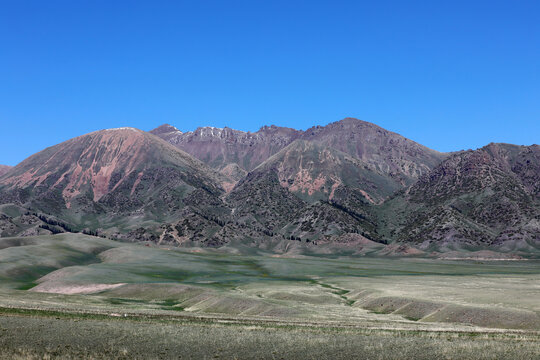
(123, 128)
(164, 129)
(354, 122)
(277, 128)
(351, 120)
(385, 151)
(97, 164)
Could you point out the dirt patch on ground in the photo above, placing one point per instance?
(70, 289)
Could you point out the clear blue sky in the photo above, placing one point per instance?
(448, 74)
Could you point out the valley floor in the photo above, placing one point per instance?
(77, 296)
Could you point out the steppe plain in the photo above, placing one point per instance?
(78, 296)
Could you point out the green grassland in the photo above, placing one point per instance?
(78, 296)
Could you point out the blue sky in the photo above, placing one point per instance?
(450, 75)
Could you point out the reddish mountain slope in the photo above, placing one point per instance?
(108, 172)
(384, 151)
(221, 147)
(316, 172)
(321, 186)
(4, 169)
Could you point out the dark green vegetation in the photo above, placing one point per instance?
(98, 298)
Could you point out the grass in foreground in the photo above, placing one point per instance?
(45, 335)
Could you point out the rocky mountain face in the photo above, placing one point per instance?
(110, 179)
(317, 172)
(315, 166)
(344, 184)
(485, 197)
(311, 192)
(384, 151)
(221, 147)
(260, 203)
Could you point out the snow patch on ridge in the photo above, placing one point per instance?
(124, 128)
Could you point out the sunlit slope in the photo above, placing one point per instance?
(111, 178)
(384, 151)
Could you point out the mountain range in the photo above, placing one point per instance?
(348, 184)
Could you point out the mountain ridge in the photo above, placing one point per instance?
(330, 185)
